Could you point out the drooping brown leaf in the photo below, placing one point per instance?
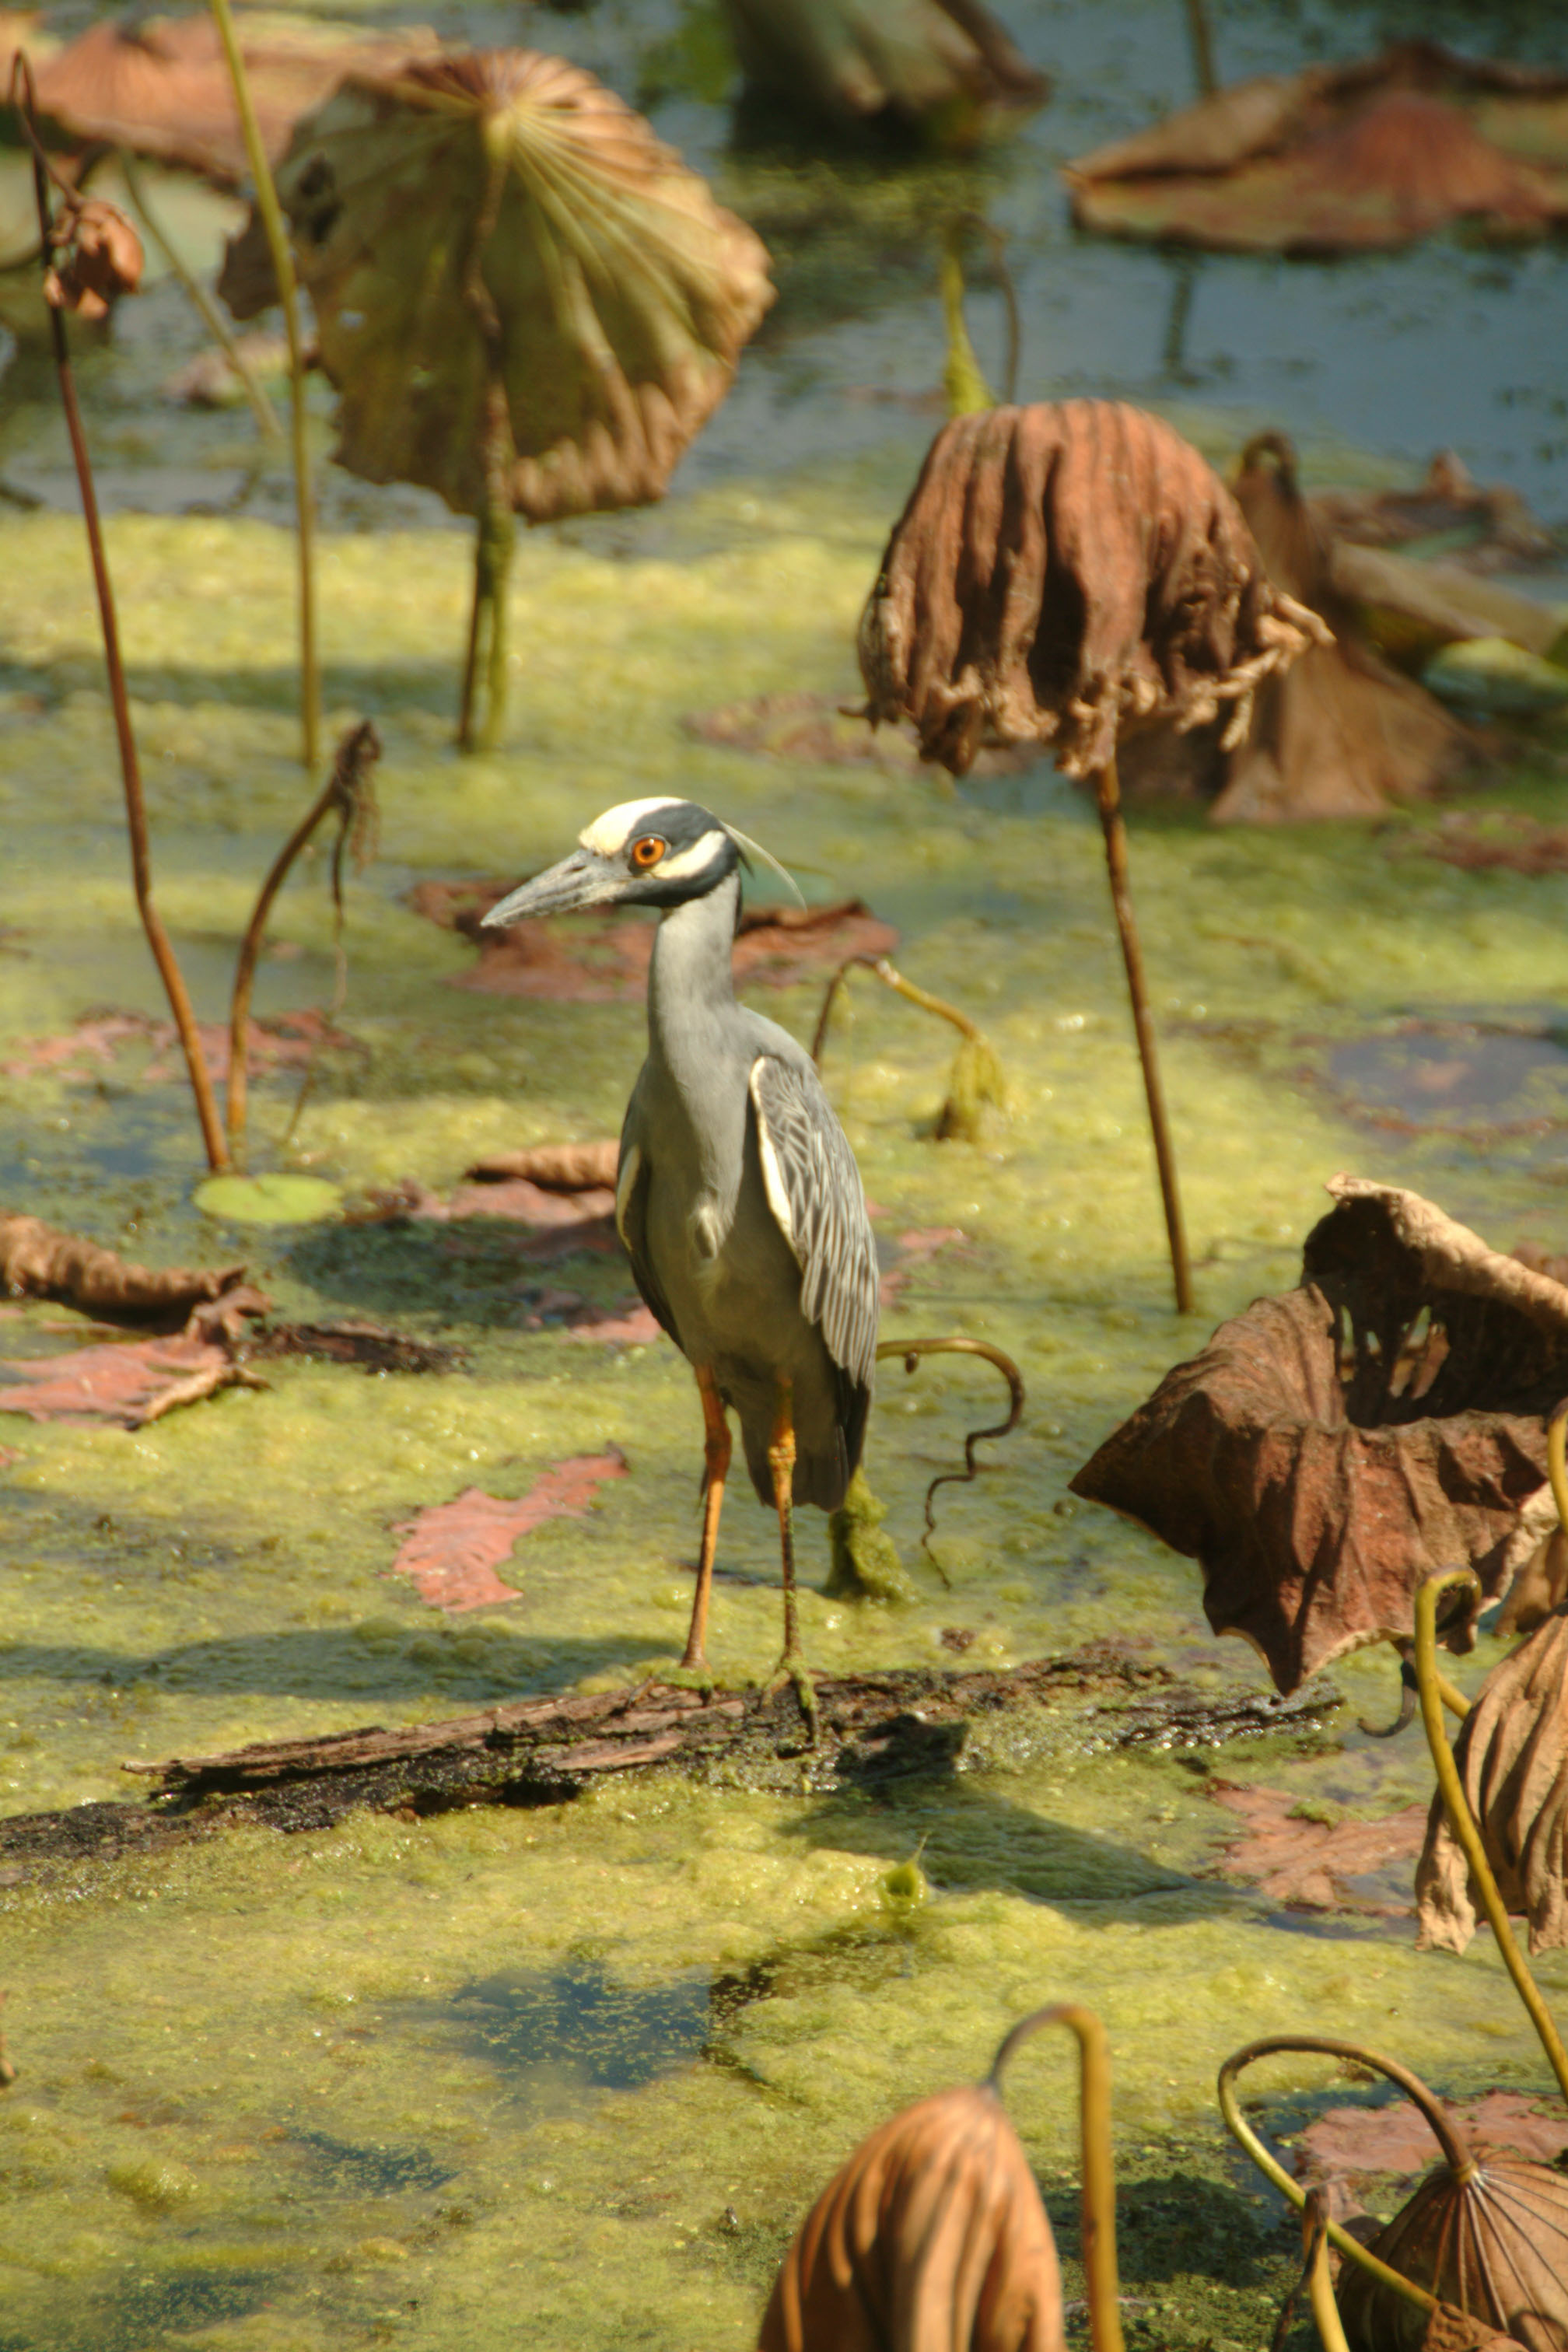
(1328, 1448)
(1339, 733)
(1307, 1864)
(622, 292)
(38, 1261)
(1342, 158)
(1061, 572)
(576, 962)
(554, 1167)
(931, 2236)
(95, 257)
(1489, 2237)
(1365, 2144)
(160, 85)
(452, 1551)
(946, 66)
(1512, 1755)
(130, 1384)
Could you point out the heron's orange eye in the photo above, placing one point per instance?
(647, 851)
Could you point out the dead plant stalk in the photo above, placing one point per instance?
(23, 99)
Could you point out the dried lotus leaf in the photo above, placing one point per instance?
(1512, 1757)
(621, 292)
(1328, 1449)
(1489, 2237)
(945, 64)
(1061, 571)
(932, 2238)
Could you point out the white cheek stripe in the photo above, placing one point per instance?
(609, 834)
(687, 861)
(772, 1175)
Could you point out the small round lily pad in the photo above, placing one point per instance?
(279, 1200)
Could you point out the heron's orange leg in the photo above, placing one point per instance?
(715, 1470)
(791, 1666)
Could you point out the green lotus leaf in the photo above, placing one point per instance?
(276, 1200)
(500, 225)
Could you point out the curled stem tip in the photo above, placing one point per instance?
(1453, 1699)
(1099, 2166)
(911, 1350)
(1463, 1821)
(1456, 2148)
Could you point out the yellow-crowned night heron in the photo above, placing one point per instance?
(738, 1197)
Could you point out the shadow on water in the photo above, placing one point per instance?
(970, 1836)
(141, 2312)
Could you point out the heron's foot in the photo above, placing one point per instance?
(791, 1668)
(691, 1674)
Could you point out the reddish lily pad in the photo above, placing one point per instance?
(283, 1040)
(128, 1385)
(452, 1551)
(1365, 2144)
(1307, 1864)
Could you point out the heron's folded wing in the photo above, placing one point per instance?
(631, 1224)
(814, 1190)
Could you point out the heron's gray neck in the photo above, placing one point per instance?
(691, 988)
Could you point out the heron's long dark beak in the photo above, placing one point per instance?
(583, 879)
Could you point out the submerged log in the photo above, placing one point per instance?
(871, 1729)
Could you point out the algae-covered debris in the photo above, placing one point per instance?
(864, 1561)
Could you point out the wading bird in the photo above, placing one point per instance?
(738, 1197)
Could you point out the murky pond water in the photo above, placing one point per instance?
(569, 2076)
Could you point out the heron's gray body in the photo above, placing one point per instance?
(741, 1207)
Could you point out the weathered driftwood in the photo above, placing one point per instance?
(872, 1728)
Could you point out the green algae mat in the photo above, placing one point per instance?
(572, 2074)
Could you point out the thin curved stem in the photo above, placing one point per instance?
(1242, 2132)
(1556, 1468)
(23, 99)
(1320, 2285)
(1099, 2163)
(1453, 1698)
(245, 963)
(202, 302)
(911, 1350)
(1108, 797)
(276, 234)
(1463, 1821)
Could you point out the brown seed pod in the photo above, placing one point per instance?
(1484, 2234)
(1061, 571)
(931, 2238)
(95, 256)
(1512, 1757)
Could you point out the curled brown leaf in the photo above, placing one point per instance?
(38, 1261)
(1061, 572)
(95, 257)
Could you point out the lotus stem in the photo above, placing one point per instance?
(976, 1076)
(1556, 1470)
(1099, 2164)
(1108, 796)
(1455, 2149)
(202, 302)
(497, 453)
(1453, 1699)
(1462, 1821)
(276, 234)
(358, 747)
(24, 98)
(1203, 47)
(911, 1350)
(1320, 2285)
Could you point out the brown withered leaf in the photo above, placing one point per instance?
(554, 1167)
(1366, 2144)
(622, 292)
(1307, 1864)
(1061, 572)
(38, 1261)
(577, 962)
(1327, 1448)
(95, 257)
(1512, 1755)
(1489, 2236)
(129, 1384)
(932, 2235)
(945, 66)
(452, 1551)
(1342, 158)
(1339, 733)
(160, 85)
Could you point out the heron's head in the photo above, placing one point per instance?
(642, 853)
